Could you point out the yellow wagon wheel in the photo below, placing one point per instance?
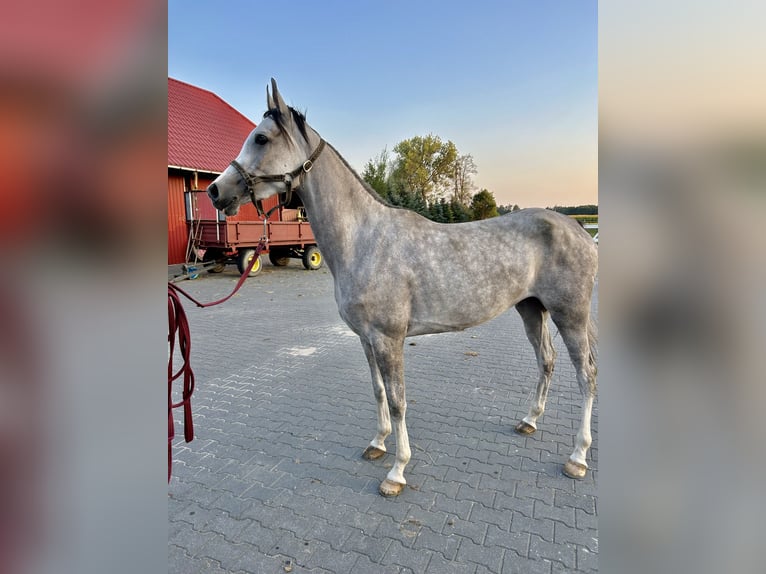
(312, 258)
(279, 257)
(243, 260)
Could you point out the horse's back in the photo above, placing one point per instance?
(442, 277)
(532, 252)
(527, 238)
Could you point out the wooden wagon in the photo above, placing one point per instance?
(220, 239)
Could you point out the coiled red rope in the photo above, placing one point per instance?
(178, 330)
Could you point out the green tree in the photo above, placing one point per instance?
(424, 165)
(415, 202)
(435, 212)
(503, 209)
(460, 212)
(483, 205)
(447, 213)
(402, 198)
(576, 210)
(427, 176)
(376, 173)
(462, 180)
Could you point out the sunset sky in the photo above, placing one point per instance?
(513, 83)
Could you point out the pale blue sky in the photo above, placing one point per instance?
(513, 83)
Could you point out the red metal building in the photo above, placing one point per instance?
(204, 135)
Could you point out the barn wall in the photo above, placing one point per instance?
(178, 234)
(204, 180)
(202, 205)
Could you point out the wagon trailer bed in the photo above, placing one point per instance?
(223, 240)
(237, 240)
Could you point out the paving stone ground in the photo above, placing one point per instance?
(274, 481)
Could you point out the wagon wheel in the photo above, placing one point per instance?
(243, 260)
(279, 257)
(312, 258)
(217, 256)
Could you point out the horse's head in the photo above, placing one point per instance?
(272, 159)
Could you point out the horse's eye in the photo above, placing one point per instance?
(261, 139)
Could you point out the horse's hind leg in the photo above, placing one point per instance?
(579, 338)
(536, 325)
(377, 447)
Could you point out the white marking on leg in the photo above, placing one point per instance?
(583, 440)
(531, 421)
(379, 390)
(396, 474)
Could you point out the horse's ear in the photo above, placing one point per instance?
(270, 105)
(280, 103)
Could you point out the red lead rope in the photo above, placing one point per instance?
(178, 328)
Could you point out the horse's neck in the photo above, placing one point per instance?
(339, 208)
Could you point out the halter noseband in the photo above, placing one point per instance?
(287, 178)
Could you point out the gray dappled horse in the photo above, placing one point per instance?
(390, 277)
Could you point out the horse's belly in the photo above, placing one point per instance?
(454, 319)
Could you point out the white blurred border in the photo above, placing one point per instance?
(682, 177)
(83, 156)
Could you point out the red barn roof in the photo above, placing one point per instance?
(204, 132)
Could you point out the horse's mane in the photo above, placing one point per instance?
(300, 121)
(298, 118)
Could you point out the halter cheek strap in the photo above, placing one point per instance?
(286, 178)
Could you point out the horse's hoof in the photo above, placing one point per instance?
(390, 488)
(525, 428)
(372, 453)
(575, 469)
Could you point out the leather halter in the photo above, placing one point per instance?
(287, 178)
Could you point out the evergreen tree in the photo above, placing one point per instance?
(446, 209)
(483, 205)
(459, 211)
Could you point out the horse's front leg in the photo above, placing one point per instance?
(377, 447)
(389, 356)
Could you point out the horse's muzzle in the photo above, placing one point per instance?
(228, 206)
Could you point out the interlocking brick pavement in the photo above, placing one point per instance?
(274, 480)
